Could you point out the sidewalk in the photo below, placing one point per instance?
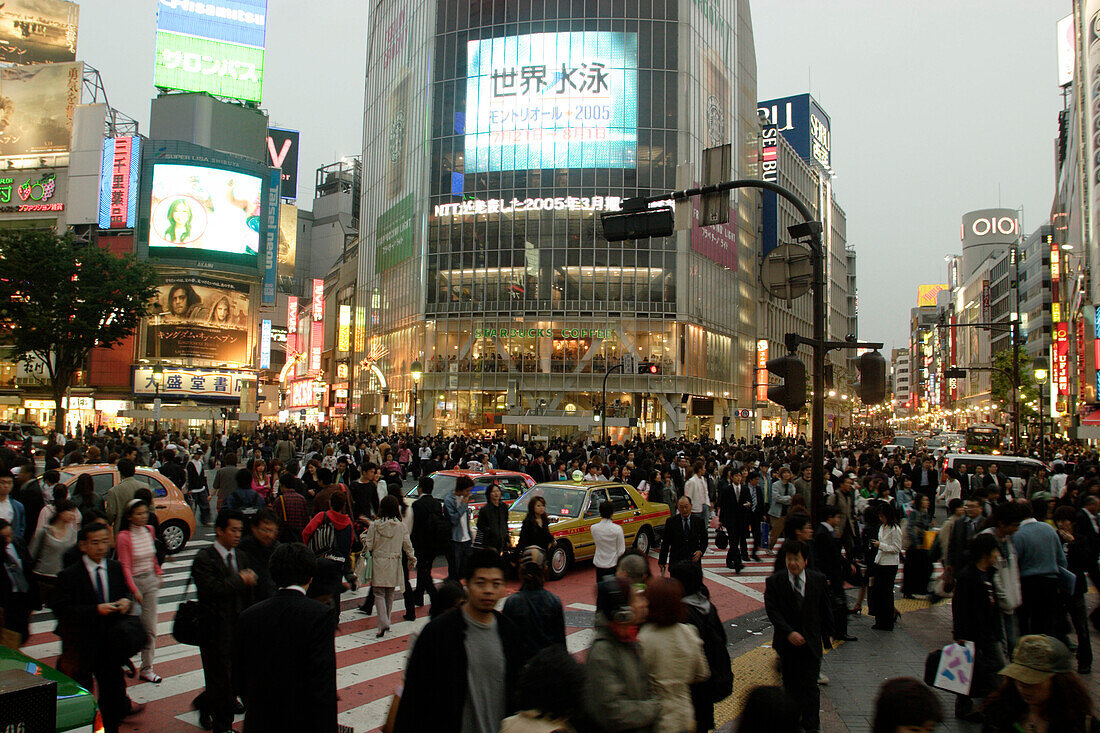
(857, 669)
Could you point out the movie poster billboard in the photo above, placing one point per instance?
(38, 31)
(36, 107)
(288, 240)
(199, 318)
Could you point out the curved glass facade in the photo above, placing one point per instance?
(539, 116)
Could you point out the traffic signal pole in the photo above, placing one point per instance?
(810, 229)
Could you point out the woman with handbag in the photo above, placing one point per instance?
(918, 560)
(388, 541)
(492, 522)
(137, 554)
(888, 548)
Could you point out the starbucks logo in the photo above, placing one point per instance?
(397, 136)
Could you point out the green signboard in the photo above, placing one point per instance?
(194, 64)
(394, 234)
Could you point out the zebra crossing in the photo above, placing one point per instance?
(369, 670)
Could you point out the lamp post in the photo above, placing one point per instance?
(158, 377)
(1041, 368)
(417, 373)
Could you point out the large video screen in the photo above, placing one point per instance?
(552, 100)
(207, 209)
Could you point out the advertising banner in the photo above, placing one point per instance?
(394, 234)
(1067, 50)
(716, 242)
(36, 107)
(318, 300)
(201, 318)
(316, 345)
(242, 22)
(288, 239)
(282, 153)
(762, 370)
(32, 191)
(804, 125)
(1090, 92)
(265, 344)
(183, 382)
(271, 238)
(926, 294)
(38, 31)
(118, 182)
(200, 208)
(552, 100)
(291, 325)
(1061, 358)
(343, 329)
(300, 394)
(194, 64)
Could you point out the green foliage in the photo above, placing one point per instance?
(60, 298)
(1001, 385)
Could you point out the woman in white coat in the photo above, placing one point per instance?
(386, 538)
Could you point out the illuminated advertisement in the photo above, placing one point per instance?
(316, 345)
(926, 294)
(291, 325)
(288, 239)
(1067, 50)
(282, 153)
(118, 182)
(300, 394)
(803, 124)
(1061, 358)
(271, 238)
(343, 330)
(199, 317)
(265, 344)
(552, 100)
(189, 382)
(36, 107)
(394, 234)
(32, 191)
(194, 64)
(208, 209)
(38, 31)
(762, 370)
(242, 22)
(318, 299)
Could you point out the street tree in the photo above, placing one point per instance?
(1001, 383)
(61, 298)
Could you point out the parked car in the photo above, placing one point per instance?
(175, 519)
(13, 440)
(39, 439)
(574, 506)
(76, 707)
(1011, 466)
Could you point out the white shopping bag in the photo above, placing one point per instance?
(956, 670)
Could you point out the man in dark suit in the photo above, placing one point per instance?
(284, 658)
(729, 514)
(1087, 531)
(926, 479)
(89, 598)
(225, 580)
(431, 536)
(829, 559)
(681, 472)
(540, 469)
(685, 537)
(751, 499)
(797, 603)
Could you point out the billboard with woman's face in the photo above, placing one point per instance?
(201, 318)
(210, 210)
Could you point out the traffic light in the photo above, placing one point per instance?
(647, 367)
(637, 221)
(872, 378)
(791, 395)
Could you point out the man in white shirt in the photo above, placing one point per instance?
(610, 543)
(695, 489)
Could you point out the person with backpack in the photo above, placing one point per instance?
(244, 498)
(702, 614)
(431, 536)
(329, 535)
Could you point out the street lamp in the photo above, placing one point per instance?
(417, 373)
(1041, 369)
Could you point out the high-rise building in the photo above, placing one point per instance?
(495, 134)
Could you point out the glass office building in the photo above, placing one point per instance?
(497, 132)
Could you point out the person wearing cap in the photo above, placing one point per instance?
(536, 612)
(1040, 692)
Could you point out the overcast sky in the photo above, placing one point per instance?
(938, 107)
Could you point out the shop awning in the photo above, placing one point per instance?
(175, 413)
(1091, 418)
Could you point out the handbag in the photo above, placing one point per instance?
(190, 622)
(364, 567)
(721, 539)
(126, 636)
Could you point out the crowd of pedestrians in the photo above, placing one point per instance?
(300, 519)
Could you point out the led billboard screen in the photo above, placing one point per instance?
(199, 317)
(243, 22)
(118, 182)
(38, 31)
(194, 64)
(552, 100)
(208, 209)
(36, 107)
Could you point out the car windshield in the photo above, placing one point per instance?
(561, 501)
(32, 430)
(905, 442)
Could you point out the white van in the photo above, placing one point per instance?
(1013, 466)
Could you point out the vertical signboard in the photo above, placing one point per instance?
(985, 301)
(343, 330)
(118, 182)
(282, 153)
(1067, 50)
(271, 238)
(1090, 91)
(265, 344)
(316, 345)
(804, 125)
(762, 370)
(1061, 358)
(318, 299)
(291, 325)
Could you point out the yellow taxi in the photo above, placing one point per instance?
(574, 506)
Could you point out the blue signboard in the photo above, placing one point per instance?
(265, 343)
(118, 182)
(804, 125)
(271, 236)
(243, 22)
